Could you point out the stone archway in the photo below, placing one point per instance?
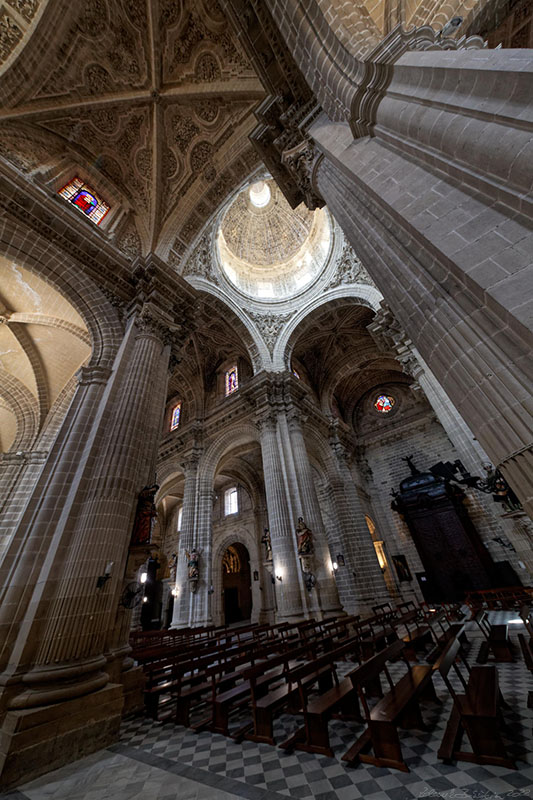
(236, 584)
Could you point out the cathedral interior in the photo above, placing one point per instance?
(266, 322)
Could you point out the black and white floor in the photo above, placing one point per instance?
(161, 762)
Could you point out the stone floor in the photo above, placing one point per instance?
(160, 761)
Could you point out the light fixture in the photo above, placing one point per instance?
(145, 599)
(279, 577)
(144, 576)
(340, 560)
(102, 579)
(335, 566)
(175, 591)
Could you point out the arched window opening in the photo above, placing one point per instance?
(231, 501)
(231, 380)
(85, 199)
(175, 417)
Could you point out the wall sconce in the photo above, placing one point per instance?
(279, 577)
(145, 599)
(175, 591)
(102, 579)
(334, 567)
(211, 589)
(340, 560)
(144, 577)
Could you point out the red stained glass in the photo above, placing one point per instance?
(384, 404)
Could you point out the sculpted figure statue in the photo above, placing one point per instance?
(193, 559)
(144, 516)
(305, 538)
(268, 544)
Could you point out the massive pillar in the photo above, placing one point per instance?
(61, 655)
(422, 152)
(360, 580)
(306, 501)
(290, 598)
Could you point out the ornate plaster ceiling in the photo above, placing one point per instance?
(151, 101)
(267, 249)
(335, 354)
(43, 341)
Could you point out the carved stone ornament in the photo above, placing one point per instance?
(301, 162)
(349, 270)
(201, 262)
(270, 326)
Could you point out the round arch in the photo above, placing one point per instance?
(246, 538)
(230, 439)
(253, 341)
(358, 294)
(101, 318)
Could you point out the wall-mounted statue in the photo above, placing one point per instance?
(144, 516)
(305, 538)
(268, 544)
(193, 567)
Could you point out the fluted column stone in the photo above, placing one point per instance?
(307, 501)
(289, 591)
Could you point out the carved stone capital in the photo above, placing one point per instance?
(302, 163)
(149, 323)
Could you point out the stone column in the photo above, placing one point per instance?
(289, 591)
(182, 615)
(306, 503)
(62, 637)
(422, 152)
(360, 581)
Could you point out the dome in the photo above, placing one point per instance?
(269, 250)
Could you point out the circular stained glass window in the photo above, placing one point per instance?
(384, 404)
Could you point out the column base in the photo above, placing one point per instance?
(37, 740)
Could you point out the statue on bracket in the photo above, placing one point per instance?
(305, 553)
(305, 538)
(193, 566)
(144, 516)
(268, 544)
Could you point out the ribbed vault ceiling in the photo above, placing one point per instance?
(153, 100)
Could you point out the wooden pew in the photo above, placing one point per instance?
(313, 737)
(475, 711)
(418, 633)
(256, 682)
(400, 706)
(287, 695)
(496, 642)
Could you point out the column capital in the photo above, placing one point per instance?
(151, 323)
(302, 162)
(267, 421)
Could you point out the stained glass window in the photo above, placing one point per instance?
(232, 381)
(384, 404)
(175, 418)
(85, 199)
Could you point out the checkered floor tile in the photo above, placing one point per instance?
(262, 772)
